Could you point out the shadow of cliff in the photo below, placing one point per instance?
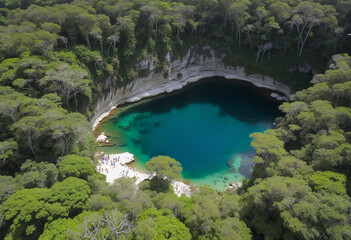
(238, 99)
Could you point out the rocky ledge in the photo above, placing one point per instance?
(178, 73)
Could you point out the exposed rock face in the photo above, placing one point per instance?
(178, 73)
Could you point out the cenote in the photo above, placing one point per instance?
(205, 126)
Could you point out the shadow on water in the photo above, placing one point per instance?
(205, 126)
(247, 163)
(235, 98)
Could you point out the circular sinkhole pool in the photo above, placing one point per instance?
(205, 126)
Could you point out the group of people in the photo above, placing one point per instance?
(125, 173)
(108, 160)
(112, 162)
(101, 169)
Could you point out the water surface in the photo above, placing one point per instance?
(205, 126)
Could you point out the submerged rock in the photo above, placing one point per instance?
(231, 170)
(230, 163)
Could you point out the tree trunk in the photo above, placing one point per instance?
(156, 29)
(258, 54)
(305, 39)
(239, 38)
(102, 47)
(225, 20)
(30, 144)
(108, 50)
(75, 99)
(285, 48)
(88, 42)
(249, 37)
(237, 29)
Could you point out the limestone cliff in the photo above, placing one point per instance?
(178, 73)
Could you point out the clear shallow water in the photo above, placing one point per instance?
(205, 126)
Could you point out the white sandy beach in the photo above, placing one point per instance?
(116, 169)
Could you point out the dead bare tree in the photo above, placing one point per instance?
(63, 40)
(117, 223)
(113, 39)
(91, 227)
(263, 48)
(95, 225)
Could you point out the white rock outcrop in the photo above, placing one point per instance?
(102, 138)
(177, 74)
(125, 158)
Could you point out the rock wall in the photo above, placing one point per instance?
(178, 73)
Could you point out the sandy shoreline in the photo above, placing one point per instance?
(115, 166)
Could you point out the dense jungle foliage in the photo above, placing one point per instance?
(57, 57)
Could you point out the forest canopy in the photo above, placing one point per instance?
(58, 57)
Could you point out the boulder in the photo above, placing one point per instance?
(102, 137)
(125, 158)
(279, 97)
(235, 185)
(305, 69)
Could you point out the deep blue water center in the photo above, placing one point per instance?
(205, 126)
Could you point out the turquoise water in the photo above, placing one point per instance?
(205, 126)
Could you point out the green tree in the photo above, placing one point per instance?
(29, 209)
(160, 224)
(38, 174)
(71, 194)
(328, 181)
(75, 166)
(63, 228)
(310, 14)
(239, 12)
(334, 216)
(287, 207)
(182, 15)
(97, 202)
(169, 201)
(231, 228)
(203, 213)
(289, 166)
(268, 147)
(7, 150)
(122, 188)
(67, 81)
(8, 186)
(10, 103)
(165, 168)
